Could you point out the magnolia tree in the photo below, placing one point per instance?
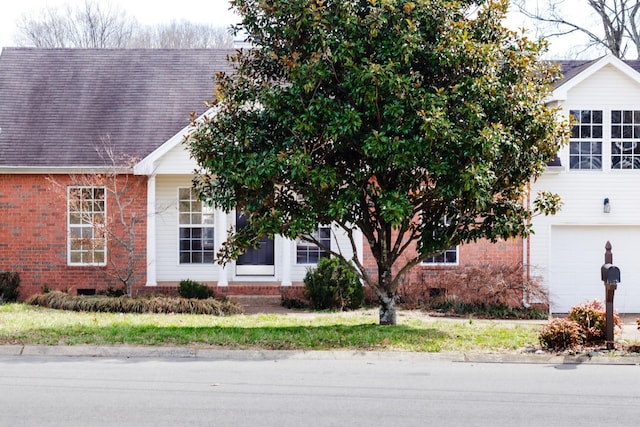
(419, 123)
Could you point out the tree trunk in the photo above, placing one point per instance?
(387, 310)
(387, 296)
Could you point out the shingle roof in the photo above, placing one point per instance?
(572, 68)
(57, 105)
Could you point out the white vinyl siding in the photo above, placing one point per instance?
(567, 249)
(168, 266)
(169, 269)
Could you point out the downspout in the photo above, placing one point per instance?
(151, 231)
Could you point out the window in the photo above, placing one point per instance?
(196, 228)
(625, 139)
(310, 253)
(449, 256)
(585, 147)
(87, 239)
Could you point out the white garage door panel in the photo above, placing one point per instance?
(577, 253)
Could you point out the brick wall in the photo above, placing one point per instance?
(505, 252)
(33, 234)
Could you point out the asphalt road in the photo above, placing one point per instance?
(80, 391)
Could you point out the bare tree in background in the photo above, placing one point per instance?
(91, 25)
(97, 24)
(182, 35)
(615, 27)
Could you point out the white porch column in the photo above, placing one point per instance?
(221, 236)
(151, 231)
(287, 246)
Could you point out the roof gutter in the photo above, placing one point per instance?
(63, 170)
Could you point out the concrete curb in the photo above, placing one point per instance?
(125, 352)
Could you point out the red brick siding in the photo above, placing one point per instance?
(480, 253)
(33, 227)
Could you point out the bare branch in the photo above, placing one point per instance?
(617, 20)
(97, 24)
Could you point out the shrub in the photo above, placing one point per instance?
(294, 298)
(293, 302)
(333, 285)
(9, 283)
(113, 292)
(192, 289)
(492, 285)
(592, 318)
(560, 334)
(587, 322)
(152, 304)
(492, 311)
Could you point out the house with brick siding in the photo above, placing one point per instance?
(61, 108)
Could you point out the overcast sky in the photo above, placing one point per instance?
(215, 12)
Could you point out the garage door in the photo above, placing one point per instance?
(577, 253)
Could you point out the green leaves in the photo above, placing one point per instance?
(385, 115)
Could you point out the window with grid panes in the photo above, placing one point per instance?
(196, 228)
(585, 146)
(310, 253)
(86, 216)
(625, 139)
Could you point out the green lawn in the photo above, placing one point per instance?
(24, 324)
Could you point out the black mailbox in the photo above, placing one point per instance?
(610, 274)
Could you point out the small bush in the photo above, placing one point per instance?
(113, 292)
(592, 318)
(492, 311)
(9, 283)
(333, 285)
(294, 302)
(560, 334)
(193, 289)
(152, 304)
(586, 324)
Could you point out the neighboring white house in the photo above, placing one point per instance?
(600, 166)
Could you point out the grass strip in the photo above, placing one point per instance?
(25, 324)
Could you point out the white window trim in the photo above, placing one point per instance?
(70, 226)
(457, 248)
(452, 264)
(604, 140)
(190, 225)
(310, 245)
(611, 140)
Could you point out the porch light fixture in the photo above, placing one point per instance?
(607, 206)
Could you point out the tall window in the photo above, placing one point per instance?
(585, 147)
(310, 253)
(196, 228)
(87, 239)
(625, 139)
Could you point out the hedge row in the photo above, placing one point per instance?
(152, 304)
